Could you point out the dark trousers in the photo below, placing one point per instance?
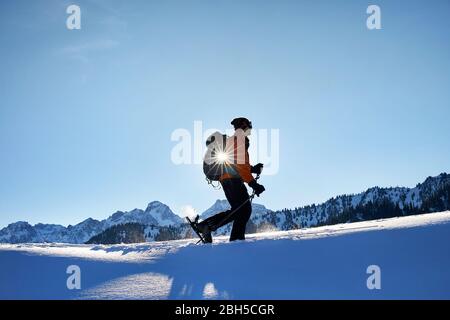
(241, 209)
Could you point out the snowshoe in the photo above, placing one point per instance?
(204, 233)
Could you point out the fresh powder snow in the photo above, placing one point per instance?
(328, 262)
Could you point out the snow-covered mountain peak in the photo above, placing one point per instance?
(218, 206)
(17, 232)
(19, 225)
(223, 205)
(431, 184)
(116, 215)
(155, 205)
(88, 221)
(163, 215)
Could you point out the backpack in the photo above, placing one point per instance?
(215, 163)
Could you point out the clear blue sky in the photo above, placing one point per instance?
(86, 115)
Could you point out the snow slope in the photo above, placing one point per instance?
(328, 262)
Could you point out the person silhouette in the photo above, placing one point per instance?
(233, 185)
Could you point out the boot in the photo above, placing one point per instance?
(205, 230)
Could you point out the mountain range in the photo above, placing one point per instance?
(157, 222)
(156, 214)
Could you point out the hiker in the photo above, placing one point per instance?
(232, 182)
